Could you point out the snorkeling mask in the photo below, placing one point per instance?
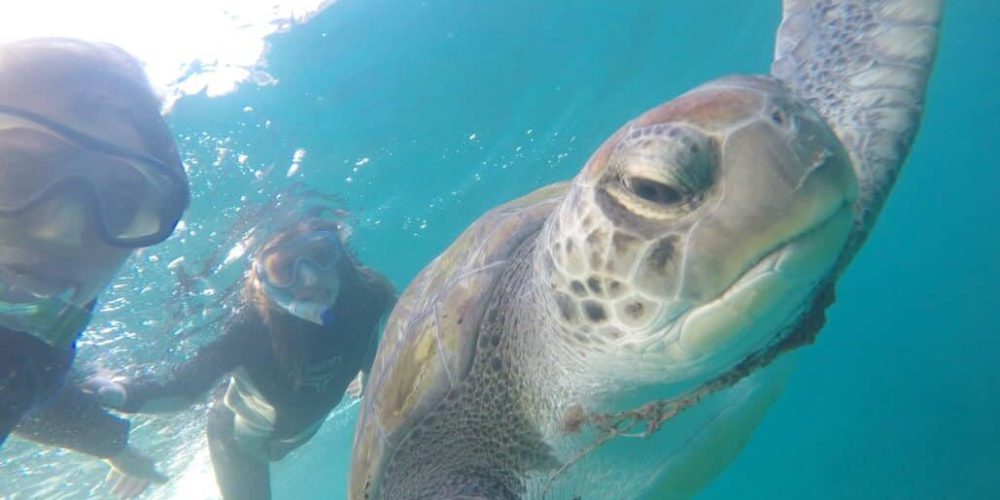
(137, 199)
(298, 263)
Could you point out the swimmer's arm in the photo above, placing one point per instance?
(189, 381)
(75, 420)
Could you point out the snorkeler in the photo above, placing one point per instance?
(308, 325)
(89, 172)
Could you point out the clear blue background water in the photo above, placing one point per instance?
(423, 115)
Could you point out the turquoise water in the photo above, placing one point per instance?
(420, 116)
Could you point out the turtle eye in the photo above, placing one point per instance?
(653, 191)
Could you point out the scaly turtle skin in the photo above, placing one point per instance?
(649, 296)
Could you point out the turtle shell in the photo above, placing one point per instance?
(430, 337)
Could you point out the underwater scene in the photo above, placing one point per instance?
(406, 121)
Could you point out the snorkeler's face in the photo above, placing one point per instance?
(303, 268)
(54, 248)
(72, 208)
(319, 286)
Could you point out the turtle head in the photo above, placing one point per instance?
(698, 232)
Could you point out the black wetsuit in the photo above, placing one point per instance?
(335, 355)
(37, 404)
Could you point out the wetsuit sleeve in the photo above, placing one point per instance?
(75, 420)
(191, 379)
(31, 373)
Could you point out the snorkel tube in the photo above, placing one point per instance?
(313, 312)
(52, 319)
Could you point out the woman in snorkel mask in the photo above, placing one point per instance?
(89, 172)
(306, 333)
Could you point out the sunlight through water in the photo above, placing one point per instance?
(188, 46)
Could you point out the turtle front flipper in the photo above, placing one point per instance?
(864, 66)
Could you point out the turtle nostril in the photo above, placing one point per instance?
(778, 117)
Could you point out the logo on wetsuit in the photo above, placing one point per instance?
(319, 375)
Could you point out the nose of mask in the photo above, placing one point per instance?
(309, 278)
(59, 220)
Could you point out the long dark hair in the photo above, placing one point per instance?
(363, 293)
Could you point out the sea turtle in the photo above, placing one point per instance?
(613, 336)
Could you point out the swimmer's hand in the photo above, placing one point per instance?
(356, 386)
(131, 473)
(110, 389)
